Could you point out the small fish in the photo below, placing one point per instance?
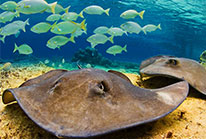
(67, 27)
(58, 9)
(130, 14)
(60, 66)
(101, 30)
(116, 49)
(63, 61)
(13, 28)
(99, 39)
(53, 17)
(58, 41)
(53, 65)
(8, 16)
(42, 27)
(34, 6)
(94, 9)
(9, 6)
(115, 31)
(78, 32)
(132, 27)
(71, 16)
(6, 66)
(150, 28)
(23, 49)
(46, 61)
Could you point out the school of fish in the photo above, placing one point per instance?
(63, 23)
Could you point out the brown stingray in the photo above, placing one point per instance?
(90, 102)
(181, 68)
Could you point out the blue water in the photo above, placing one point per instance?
(183, 33)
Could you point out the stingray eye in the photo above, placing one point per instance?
(172, 62)
(104, 86)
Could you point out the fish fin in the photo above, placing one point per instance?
(141, 14)
(67, 9)
(72, 39)
(15, 48)
(107, 11)
(125, 48)
(52, 26)
(52, 6)
(27, 22)
(125, 32)
(144, 31)
(83, 26)
(81, 14)
(159, 27)
(17, 14)
(93, 45)
(111, 39)
(3, 39)
(27, 6)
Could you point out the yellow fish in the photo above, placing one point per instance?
(116, 49)
(6, 66)
(34, 6)
(94, 9)
(130, 14)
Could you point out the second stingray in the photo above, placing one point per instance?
(181, 68)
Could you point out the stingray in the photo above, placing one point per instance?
(91, 102)
(181, 68)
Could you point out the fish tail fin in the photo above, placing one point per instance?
(159, 26)
(125, 48)
(107, 11)
(52, 7)
(17, 14)
(72, 39)
(52, 26)
(67, 9)
(125, 32)
(27, 22)
(144, 31)
(111, 39)
(3, 39)
(15, 48)
(81, 14)
(141, 14)
(93, 45)
(83, 26)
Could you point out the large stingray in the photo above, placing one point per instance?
(181, 68)
(89, 102)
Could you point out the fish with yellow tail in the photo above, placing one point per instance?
(96, 10)
(34, 6)
(8, 16)
(116, 49)
(67, 27)
(23, 49)
(130, 14)
(150, 28)
(42, 27)
(99, 39)
(9, 6)
(6, 66)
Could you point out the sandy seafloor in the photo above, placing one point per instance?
(188, 121)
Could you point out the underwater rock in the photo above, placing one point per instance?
(92, 56)
(181, 68)
(90, 102)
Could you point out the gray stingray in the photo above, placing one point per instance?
(90, 102)
(181, 68)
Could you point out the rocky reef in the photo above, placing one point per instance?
(93, 57)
